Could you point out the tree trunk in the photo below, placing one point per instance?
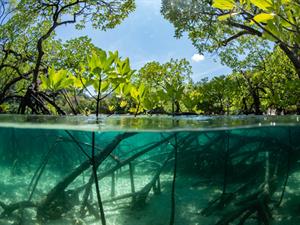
(256, 102)
(294, 57)
(177, 107)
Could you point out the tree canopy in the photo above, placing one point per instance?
(27, 30)
(234, 26)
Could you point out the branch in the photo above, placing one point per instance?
(49, 32)
(14, 68)
(245, 27)
(85, 87)
(7, 86)
(239, 34)
(59, 110)
(111, 91)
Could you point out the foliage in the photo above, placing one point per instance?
(106, 73)
(215, 95)
(165, 83)
(268, 86)
(234, 26)
(28, 46)
(56, 80)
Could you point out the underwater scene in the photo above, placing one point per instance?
(233, 171)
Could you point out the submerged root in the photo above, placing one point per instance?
(59, 201)
(62, 204)
(244, 197)
(258, 204)
(52, 199)
(139, 197)
(8, 209)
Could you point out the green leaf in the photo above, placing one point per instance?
(134, 93)
(45, 83)
(66, 83)
(290, 17)
(107, 65)
(96, 85)
(77, 82)
(262, 4)
(97, 71)
(56, 80)
(126, 89)
(263, 17)
(224, 4)
(102, 59)
(132, 110)
(111, 108)
(123, 104)
(274, 30)
(4, 107)
(285, 23)
(104, 85)
(141, 89)
(226, 16)
(93, 61)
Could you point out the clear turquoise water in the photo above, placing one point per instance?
(240, 170)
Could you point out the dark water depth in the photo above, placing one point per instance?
(218, 177)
